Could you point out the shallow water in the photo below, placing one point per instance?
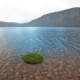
(49, 40)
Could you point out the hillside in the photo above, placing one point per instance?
(68, 18)
(9, 24)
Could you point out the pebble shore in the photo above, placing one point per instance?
(52, 68)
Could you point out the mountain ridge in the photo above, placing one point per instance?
(69, 17)
(65, 18)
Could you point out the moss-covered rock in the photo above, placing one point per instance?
(32, 58)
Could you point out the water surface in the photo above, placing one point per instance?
(49, 40)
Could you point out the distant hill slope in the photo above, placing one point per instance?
(65, 18)
(9, 24)
(69, 18)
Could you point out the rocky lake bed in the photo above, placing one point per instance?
(12, 67)
(60, 48)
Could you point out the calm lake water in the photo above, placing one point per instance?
(48, 40)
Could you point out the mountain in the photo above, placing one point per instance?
(9, 24)
(66, 18)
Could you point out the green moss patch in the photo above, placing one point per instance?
(32, 58)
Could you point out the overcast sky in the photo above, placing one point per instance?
(26, 10)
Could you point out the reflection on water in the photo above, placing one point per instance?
(37, 39)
